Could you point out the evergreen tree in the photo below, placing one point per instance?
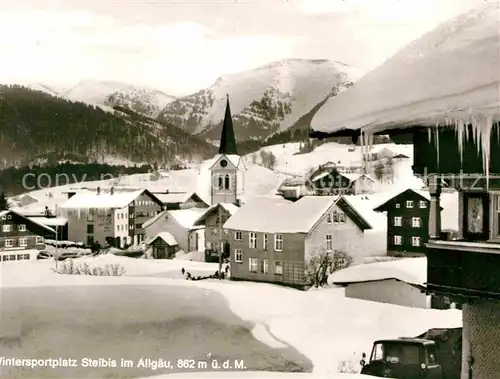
(4, 205)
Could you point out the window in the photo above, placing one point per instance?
(21, 257)
(265, 266)
(238, 236)
(7, 228)
(220, 183)
(415, 222)
(398, 240)
(9, 243)
(422, 204)
(329, 243)
(238, 255)
(329, 218)
(335, 217)
(398, 221)
(253, 240)
(278, 242)
(227, 182)
(215, 231)
(138, 226)
(90, 228)
(39, 240)
(409, 204)
(398, 205)
(415, 241)
(342, 217)
(118, 228)
(21, 228)
(264, 241)
(23, 242)
(278, 267)
(253, 265)
(338, 216)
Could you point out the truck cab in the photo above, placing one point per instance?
(404, 358)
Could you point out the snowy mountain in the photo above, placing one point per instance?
(143, 100)
(263, 101)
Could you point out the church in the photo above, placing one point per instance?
(221, 179)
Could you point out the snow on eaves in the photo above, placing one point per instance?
(186, 217)
(274, 214)
(165, 236)
(363, 205)
(408, 270)
(429, 82)
(91, 199)
(49, 221)
(6, 212)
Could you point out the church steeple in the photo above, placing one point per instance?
(227, 139)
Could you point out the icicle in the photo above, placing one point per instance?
(459, 128)
(429, 135)
(486, 128)
(437, 144)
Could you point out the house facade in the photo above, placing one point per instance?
(59, 224)
(217, 239)
(272, 240)
(330, 181)
(180, 224)
(163, 246)
(407, 220)
(20, 237)
(114, 218)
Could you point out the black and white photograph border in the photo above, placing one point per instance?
(250, 189)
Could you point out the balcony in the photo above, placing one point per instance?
(463, 270)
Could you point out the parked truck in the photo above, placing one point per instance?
(436, 354)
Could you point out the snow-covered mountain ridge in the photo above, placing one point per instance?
(263, 101)
(143, 100)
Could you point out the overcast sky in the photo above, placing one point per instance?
(184, 45)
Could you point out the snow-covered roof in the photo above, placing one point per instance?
(429, 82)
(165, 236)
(152, 220)
(179, 197)
(363, 205)
(6, 212)
(49, 221)
(230, 207)
(186, 217)
(273, 214)
(91, 199)
(354, 177)
(408, 270)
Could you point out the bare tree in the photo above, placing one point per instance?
(321, 264)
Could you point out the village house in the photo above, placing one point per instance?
(216, 238)
(180, 224)
(330, 181)
(272, 239)
(399, 282)
(114, 218)
(408, 218)
(180, 200)
(454, 119)
(20, 237)
(163, 246)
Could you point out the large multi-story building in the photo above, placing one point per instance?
(111, 217)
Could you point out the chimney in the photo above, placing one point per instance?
(98, 190)
(112, 191)
(167, 191)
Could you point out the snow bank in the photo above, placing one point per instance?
(324, 325)
(409, 270)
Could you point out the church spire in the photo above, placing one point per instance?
(227, 138)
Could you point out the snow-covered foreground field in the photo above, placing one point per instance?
(323, 325)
